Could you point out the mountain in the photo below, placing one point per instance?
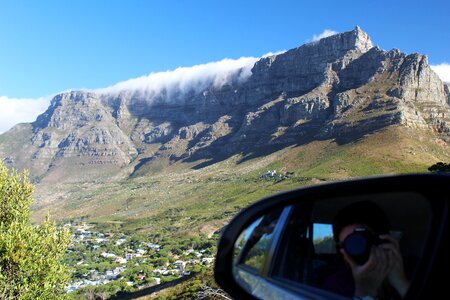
(340, 89)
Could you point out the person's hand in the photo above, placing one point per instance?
(369, 277)
(396, 276)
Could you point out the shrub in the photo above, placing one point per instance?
(30, 256)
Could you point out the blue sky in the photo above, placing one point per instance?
(51, 46)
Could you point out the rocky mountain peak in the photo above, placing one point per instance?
(362, 39)
(339, 87)
(357, 39)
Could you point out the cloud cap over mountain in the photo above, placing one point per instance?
(185, 79)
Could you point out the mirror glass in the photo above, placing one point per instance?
(294, 249)
(251, 246)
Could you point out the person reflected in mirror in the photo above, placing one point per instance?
(374, 267)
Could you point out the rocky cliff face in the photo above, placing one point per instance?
(340, 87)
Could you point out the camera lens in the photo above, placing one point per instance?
(356, 244)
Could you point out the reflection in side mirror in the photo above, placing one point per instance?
(293, 250)
(252, 245)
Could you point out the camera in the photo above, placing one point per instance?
(358, 244)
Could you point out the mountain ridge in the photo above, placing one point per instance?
(341, 87)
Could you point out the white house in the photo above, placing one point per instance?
(120, 241)
(140, 251)
(121, 260)
(207, 260)
(108, 255)
(179, 264)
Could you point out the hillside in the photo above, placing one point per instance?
(169, 200)
(193, 151)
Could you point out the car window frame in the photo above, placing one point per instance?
(271, 248)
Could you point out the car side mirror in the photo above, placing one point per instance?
(284, 246)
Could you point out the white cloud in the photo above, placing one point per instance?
(443, 71)
(324, 34)
(268, 54)
(174, 84)
(14, 111)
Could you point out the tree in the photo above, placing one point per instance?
(440, 167)
(30, 256)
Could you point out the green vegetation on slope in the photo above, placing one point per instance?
(180, 201)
